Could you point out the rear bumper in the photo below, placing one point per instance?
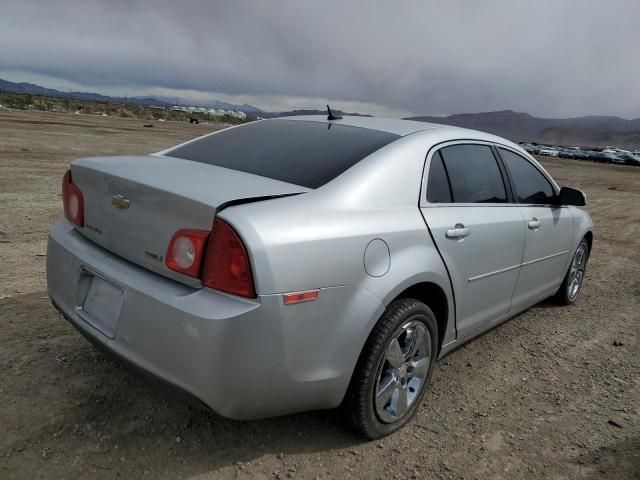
(171, 388)
(244, 359)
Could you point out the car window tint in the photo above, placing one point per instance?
(474, 174)
(304, 153)
(438, 185)
(530, 185)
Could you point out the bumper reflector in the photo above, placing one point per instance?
(299, 297)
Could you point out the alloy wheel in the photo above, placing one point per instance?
(576, 271)
(403, 371)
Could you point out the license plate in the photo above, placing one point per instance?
(102, 305)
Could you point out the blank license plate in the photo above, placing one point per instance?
(102, 305)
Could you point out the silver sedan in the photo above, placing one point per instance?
(309, 262)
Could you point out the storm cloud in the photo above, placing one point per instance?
(545, 57)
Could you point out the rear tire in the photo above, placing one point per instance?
(393, 370)
(574, 278)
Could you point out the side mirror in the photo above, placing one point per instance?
(571, 196)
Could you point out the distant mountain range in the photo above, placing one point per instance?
(595, 131)
(295, 113)
(159, 101)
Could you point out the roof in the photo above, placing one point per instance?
(437, 132)
(391, 125)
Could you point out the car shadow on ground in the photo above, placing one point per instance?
(549, 303)
(619, 460)
(148, 407)
(117, 420)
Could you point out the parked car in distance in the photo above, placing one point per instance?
(548, 152)
(611, 156)
(580, 155)
(529, 148)
(566, 153)
(593, 155)
(308, 263)
(630, 158)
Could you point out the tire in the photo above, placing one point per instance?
(385, 392)
(568, 292)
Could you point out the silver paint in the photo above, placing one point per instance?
(301, 356)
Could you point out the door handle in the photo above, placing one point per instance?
(459, 231)
(533, 223)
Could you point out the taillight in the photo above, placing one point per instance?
(218, 257)
(226, 265)
(72, 200)
(186, 251)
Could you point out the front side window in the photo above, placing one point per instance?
(530, 185)
(474, 174)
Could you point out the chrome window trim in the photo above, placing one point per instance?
(424, 203)
(438, 205)
(425, 175)
(534, 163)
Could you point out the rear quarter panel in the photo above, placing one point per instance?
(318, 239)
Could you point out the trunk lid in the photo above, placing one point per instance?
(134, 204)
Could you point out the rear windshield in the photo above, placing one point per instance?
(304, 153)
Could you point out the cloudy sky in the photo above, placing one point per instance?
(546, 57)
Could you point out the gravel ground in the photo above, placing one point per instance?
(553, 393)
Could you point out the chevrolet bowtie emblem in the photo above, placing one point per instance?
(120, 201)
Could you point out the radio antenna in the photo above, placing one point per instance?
(331, 116)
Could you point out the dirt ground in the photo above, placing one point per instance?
(553, 393)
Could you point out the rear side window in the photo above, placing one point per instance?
(474, 174)
(438, 190)
(304, 153)
(530, 185)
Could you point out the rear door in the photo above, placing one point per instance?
(478, 233)
(549, 230)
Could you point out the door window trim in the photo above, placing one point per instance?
(503, 173)
(534, 164)
(495, 146)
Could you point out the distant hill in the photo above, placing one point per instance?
(596, 131)
(96, 97)
(294, 113)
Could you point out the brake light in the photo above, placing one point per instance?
(186, 251)
(72, 200)
(226, 266)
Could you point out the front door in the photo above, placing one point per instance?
(549, 230)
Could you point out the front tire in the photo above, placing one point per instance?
(572, 283)
(393, 370)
